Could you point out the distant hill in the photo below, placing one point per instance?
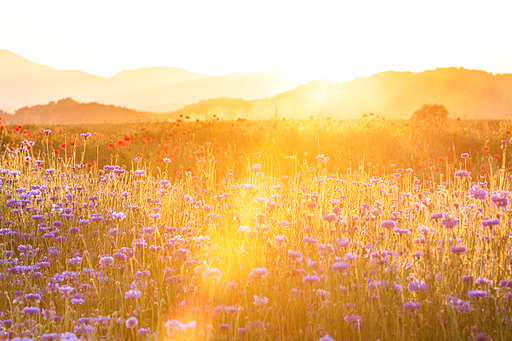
(68, 111)
(470, 94)
(160, 89)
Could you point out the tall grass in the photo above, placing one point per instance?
(276, 230)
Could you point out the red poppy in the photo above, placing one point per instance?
(56, 152)
(111, 145)
(486, 148)
(62, 146)
(496, 156)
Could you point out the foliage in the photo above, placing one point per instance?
(436, 113)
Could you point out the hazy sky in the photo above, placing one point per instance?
(306, 39)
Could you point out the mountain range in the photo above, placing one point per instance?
(169, 93)
(467, 94)
(156, 89)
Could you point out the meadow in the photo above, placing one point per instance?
(256, 230)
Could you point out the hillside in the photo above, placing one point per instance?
(160, 89)
(465, 93)
(470, 94)
(68, 111)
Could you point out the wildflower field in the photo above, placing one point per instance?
(256, 230)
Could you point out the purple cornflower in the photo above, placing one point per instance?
(340, 266)
(309, 240)
(490, 222)
(75, 260)
(416, 286)
(68, 336)
(354, 319)
(388, 224)
(34, 297)
(66, 289)
(463, 307)
(132, 294)
(212, 273)
(506, 283)
(131, 322)
(449, 221)
(436, 216)
(458, 249)
(412, 306)
(74, 229)
(329, 217)
(477, 294)
(143, 331)
(294, 255)
(500, 199)
(224, 327)
(118, 215)
(231, 285)
(279, 239)
(477, 193)
(258, 273)
(256, 168)
(106, 261)
(413, 286)
(31, 310)
(482, 337)
(310, 279)
(461, 174)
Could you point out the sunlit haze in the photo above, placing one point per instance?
(340, 40)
